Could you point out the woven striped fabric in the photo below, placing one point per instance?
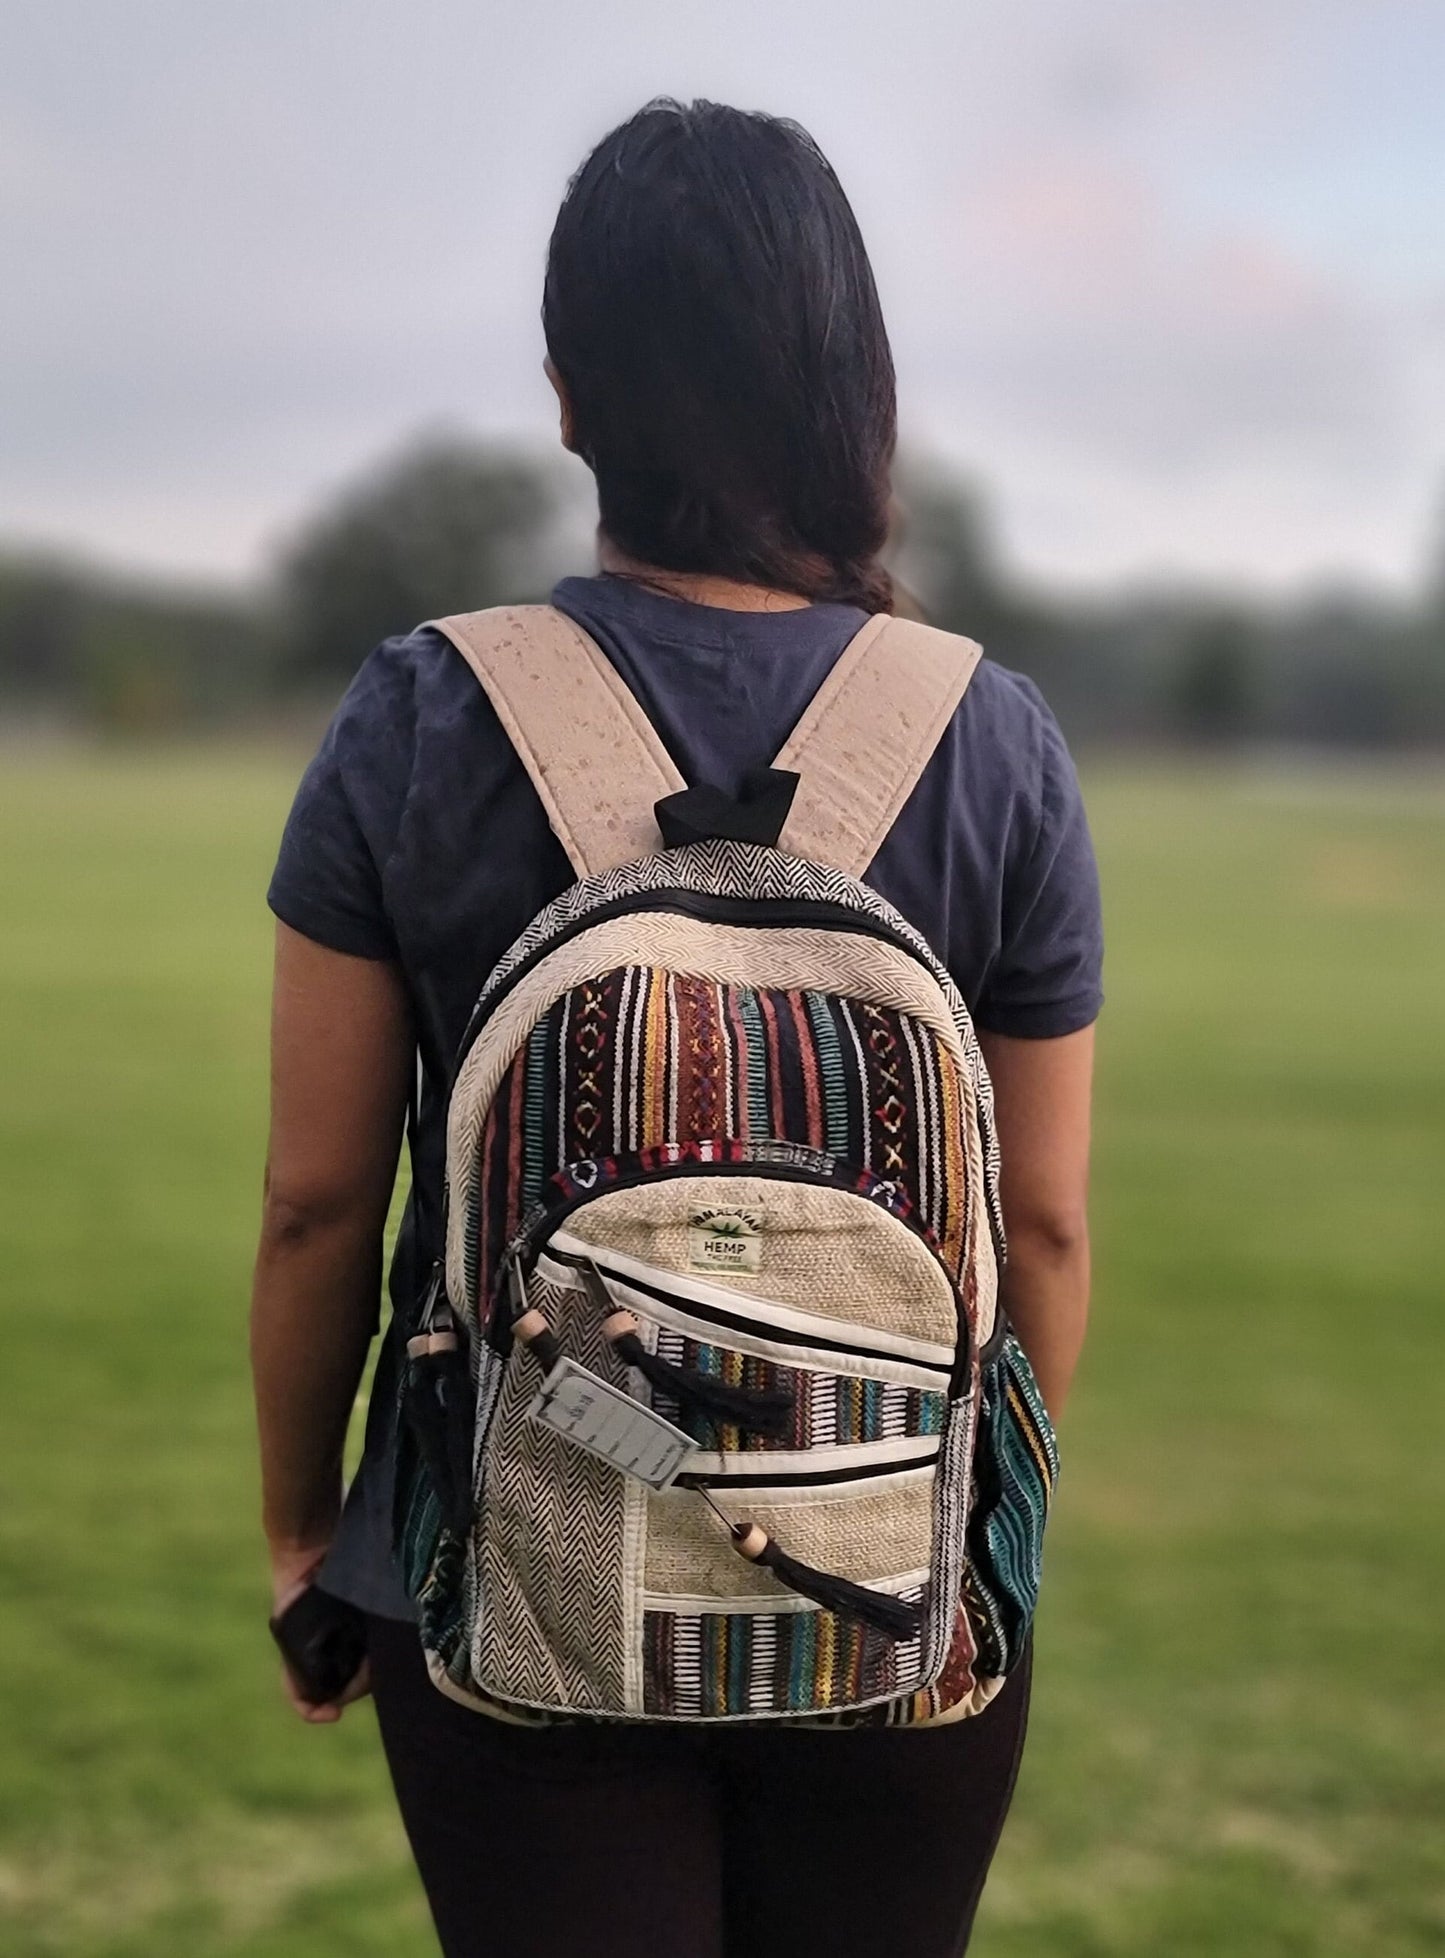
(830, 1410)
(725, 869)
(641, 1058)
(1015, 1473)
(722, 1665)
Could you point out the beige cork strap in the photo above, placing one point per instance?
(867, 736)
(594, 758)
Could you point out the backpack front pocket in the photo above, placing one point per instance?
(808, 1559)
(848, 1484)
(840, 1398)
(723, 1640)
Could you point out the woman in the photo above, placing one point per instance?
(717, 348)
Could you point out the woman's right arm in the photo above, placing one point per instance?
(341, 1060)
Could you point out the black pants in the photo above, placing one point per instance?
(643, 1842)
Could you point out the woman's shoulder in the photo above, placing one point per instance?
(412, 727)
(410, 692)
(1006, 743)
(1001, 700)
(404, 671)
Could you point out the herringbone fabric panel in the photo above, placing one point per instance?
(556, 1621)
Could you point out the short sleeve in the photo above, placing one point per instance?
(328, 883)
(1047, 978)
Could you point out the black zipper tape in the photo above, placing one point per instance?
(739, 1322)
(804, 1478)
(526, 1247)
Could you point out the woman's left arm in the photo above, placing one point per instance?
(341, 1061)
(1041, 1094)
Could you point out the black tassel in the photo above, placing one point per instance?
(440, 1414)
(884, 1613)
(760, 1410)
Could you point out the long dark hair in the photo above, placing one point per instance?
(710, 309)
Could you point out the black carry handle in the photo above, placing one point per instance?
(755, 815)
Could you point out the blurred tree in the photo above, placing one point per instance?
(41, 624)
(1430, 635)
(1216, 679)
(449, 524)
(943, 551)
(117, 652)
(446, 526)
(1356, 673)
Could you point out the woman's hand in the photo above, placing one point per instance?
(291, 1572)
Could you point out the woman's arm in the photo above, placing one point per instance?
(341, 1061)
(1041, 1098)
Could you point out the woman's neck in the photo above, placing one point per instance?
(697, 587)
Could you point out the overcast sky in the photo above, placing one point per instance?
(1167, 275)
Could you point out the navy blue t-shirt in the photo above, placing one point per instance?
(417, 837)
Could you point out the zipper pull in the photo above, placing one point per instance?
(529, 1325)
(436, 1287)
(516, 1285)
(757, 1410)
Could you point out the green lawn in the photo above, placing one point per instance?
(1239, 1735)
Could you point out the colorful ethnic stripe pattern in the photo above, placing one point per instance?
(828, 1408)
(641, 1058)
(709, 1665)
(1015, 1470)
(719, 868)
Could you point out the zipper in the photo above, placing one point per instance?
(768, 1477)
(436, 1284)
(764, 1323)
(526, 1246)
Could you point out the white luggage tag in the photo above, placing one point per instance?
(588, 1410)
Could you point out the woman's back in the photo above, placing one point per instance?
(417, 836)
(722, 367)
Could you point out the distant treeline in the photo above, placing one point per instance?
(452, 525)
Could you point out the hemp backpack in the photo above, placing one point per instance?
(711, 1413)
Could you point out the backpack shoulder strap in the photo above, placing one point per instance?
(867, 736)
(594, 758)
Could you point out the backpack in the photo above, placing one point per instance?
(711, 1413)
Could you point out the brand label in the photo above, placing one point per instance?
(725, 1239)
(593, 1414)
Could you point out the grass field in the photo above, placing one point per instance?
(1239, 1730)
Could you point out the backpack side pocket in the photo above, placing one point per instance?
(1016, 1468)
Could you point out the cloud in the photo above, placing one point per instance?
(1088, 310)
(246, 248)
